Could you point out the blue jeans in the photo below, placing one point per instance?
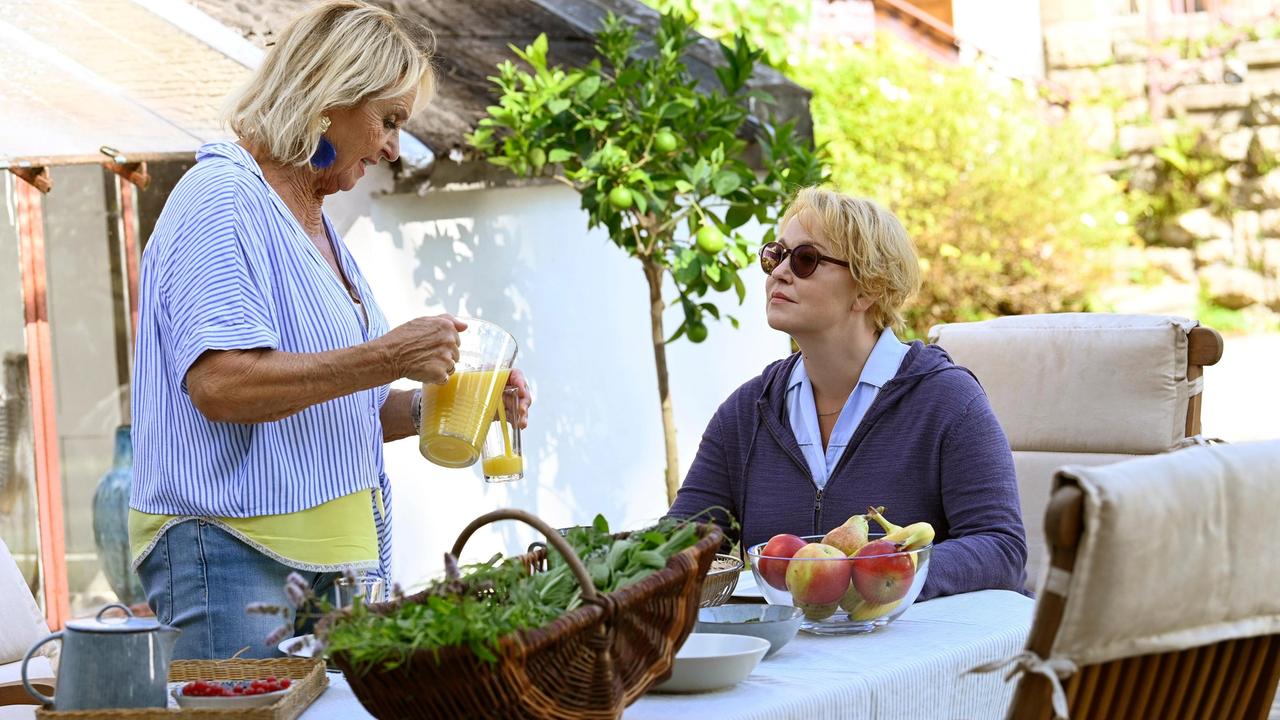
(199, 578)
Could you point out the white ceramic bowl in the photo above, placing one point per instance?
(303, 646)
(226, 702)
(712, 661)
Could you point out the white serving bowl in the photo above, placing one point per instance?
(303, 646)
(710, 661)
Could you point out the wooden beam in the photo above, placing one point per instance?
(929, 25)
(133, 172)
(36, 176)
(39, 343)
(129, 222)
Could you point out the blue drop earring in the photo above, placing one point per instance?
(325, 153)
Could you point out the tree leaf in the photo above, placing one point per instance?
(558, 155)
(588, 87)
(725, 182)
(738, 215)
(673, 110)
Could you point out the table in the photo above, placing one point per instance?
(912, 668)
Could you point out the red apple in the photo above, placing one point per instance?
(772, 568)
(881, 573)
(818, 575)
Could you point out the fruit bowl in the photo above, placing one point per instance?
(841, 595)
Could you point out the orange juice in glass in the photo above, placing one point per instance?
(502, 458)
(457, 414)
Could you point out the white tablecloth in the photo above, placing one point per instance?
(912, 668)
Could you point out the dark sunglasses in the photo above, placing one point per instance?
(804, 259)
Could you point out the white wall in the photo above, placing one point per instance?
(578, 306)
(1007, 32)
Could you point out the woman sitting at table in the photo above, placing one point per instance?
(857, 418)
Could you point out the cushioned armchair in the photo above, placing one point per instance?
(1084, 389)
(21, 625)
(1161, 600)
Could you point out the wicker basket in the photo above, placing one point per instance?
(307, 675)
(589, 663)
(721, 583)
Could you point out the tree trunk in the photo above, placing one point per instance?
(653, 273)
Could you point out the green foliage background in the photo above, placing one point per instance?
(1003, 200)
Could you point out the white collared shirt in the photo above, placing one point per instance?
(882, 365)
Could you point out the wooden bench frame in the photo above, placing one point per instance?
(1204, 348)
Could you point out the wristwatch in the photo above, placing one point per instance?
(415, 412)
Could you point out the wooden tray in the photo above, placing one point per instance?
(307, 675)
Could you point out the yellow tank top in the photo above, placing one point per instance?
(329, 537)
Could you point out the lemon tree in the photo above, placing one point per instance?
(659, 164)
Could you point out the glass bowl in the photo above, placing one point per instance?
(842, 595)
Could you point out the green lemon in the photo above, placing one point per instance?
(697, 332)
(665, 141)
(537, 158)
(710, 240)
(620, 198)
(725, 282)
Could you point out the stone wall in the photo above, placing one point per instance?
(1219, 87)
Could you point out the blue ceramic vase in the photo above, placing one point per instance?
(111, 521)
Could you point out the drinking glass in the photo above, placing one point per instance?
(503, 460)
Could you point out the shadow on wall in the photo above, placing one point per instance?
(523, 258)
(486, 264)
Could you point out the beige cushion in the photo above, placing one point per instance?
(23, 622)
(1035, 484)
(39, 672)
(1177, 553)
(1080, 382)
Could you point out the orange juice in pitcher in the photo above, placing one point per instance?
(457, 414)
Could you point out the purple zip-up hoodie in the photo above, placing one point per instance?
(929, 448)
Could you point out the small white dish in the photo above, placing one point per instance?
(226, 702)
(709, 661)
(303, 646)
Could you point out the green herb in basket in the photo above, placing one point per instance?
(476, 605)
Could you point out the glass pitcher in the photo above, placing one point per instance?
(457, 414)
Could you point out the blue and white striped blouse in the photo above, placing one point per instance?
(228, 267)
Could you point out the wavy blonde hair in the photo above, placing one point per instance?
(871, 239)
(337, 54)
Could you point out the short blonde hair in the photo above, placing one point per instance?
(337, 54)
(881, 257)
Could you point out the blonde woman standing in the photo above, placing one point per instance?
(857, 417)
(261, 390)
